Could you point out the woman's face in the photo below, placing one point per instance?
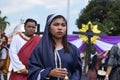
(58, 28)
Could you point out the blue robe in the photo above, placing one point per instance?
(45, 61)
(42, 59)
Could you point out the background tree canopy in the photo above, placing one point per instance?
(3, 23)
(104, 13)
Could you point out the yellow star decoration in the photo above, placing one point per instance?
(94, 29)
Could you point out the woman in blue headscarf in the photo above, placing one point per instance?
(54, 58)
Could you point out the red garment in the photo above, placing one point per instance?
(24, 55)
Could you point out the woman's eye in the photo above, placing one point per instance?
(63, 24)
(56, 24)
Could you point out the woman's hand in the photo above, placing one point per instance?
(106, 78)
(58, 72)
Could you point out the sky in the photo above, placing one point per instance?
(15, 10)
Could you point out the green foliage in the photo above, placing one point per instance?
(104, 13)
(3, 23)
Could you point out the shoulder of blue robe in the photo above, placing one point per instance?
(36, 64)
(36, 68)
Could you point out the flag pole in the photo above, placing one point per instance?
(68, 11)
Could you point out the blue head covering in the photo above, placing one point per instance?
(46, 39)
(44, 55)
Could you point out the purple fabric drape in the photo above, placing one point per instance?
(81, 48)
(110, 39)
(98, 49)
(107, 39)
(72, 37)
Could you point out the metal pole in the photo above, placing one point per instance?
(68, 11)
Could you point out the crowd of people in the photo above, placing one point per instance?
(52, 57)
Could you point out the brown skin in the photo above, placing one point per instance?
(109, 68)
(58, 72)
(58, 30)
(24, 71)
(30, 29)
(2, 62)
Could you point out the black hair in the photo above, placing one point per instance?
(30, 20)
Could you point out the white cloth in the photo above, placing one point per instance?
(103, 45)
(15, 46)
(4, 53)
(77, 42)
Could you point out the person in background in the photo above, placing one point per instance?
(113, 68)
(95, 64)
(54, 58)
(21, 47)
(4, 57)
